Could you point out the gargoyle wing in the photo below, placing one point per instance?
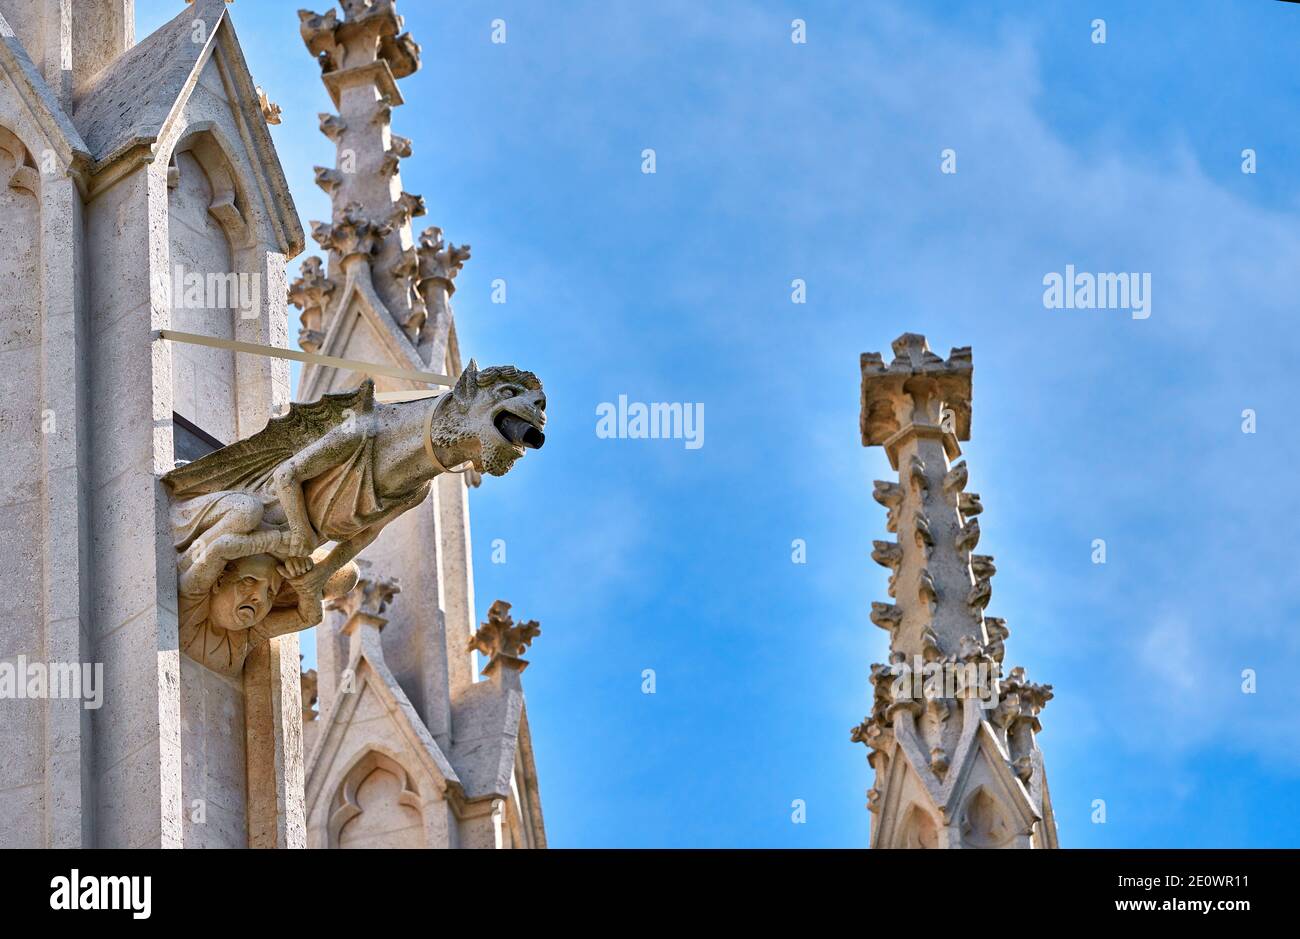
(247, 465)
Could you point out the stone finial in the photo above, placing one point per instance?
(270, 110)
(363, 52)
(440, 261)
(371, 596)
(311, 294)
(917, 392)
(503, 641)
(436, 265)
(370, 31)
(328, 179)
(1017, 715)
(996, 627)
(1032, 697)
(408, 206)
(318, 33)
(332, 126)
(353, 233)
(309, 682)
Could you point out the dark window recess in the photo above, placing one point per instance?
(191, 442)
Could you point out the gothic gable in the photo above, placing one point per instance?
(375, 717)
(144, 100)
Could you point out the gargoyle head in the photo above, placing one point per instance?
(503, 407)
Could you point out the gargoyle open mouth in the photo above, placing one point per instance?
(252, 610)
(519, 432)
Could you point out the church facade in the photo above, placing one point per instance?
(143, 287)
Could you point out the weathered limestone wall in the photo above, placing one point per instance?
(214, 776)
(44, 788)
(22, 793)
(413, 641)
(480, 828)
(160, 714)
(137, 733)
(219, 226)
(70, 815)
(71, 41)
(243, 740)
(87, 395)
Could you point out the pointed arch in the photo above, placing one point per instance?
(985, 823)
(919, 829)
(346, 805)
(229, 204)
(20, 167)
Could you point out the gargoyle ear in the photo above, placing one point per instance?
(467, 387)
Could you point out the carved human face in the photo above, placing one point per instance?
(244, 594)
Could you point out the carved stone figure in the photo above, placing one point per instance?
(338, 470)
(229, 603)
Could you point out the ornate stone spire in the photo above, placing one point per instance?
(362, 56)
(952, 742)
(502, 641)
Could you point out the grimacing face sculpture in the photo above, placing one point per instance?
(245, 592)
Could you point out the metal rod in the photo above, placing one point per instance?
(329, 361)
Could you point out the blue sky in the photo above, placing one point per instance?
(821, 161)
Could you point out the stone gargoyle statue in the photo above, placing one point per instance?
(251, 521)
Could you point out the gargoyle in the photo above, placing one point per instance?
(339, 470)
